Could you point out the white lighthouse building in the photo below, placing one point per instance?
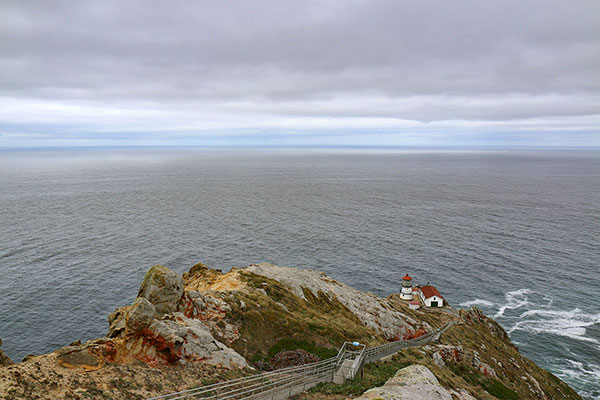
(407, 289)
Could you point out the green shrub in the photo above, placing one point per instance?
(497, 389)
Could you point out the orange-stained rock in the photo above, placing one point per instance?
(202, 279)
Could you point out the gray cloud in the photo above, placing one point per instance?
(145, 65)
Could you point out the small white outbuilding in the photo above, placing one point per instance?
(431, 297)
(414, 305)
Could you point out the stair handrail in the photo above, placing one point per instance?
(273, 380)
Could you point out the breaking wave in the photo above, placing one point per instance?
(586, 374)
(571, 324)
(515, 299)
(477, 302)
(541, 315)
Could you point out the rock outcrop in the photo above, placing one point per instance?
(251, 309)
(163, 288)
(4, 359)
(444, 353)
(164, 326)
(412, 382)
(189, 331)
(373, 311)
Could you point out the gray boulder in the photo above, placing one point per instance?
(140, 315)
(438, 359)
(412, 382)
(163, 288)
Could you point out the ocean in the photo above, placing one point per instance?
(515, 232)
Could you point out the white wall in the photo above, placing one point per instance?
(432, 298)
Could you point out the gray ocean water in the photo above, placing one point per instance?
(515, 232)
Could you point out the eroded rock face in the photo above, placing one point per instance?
(4, 359)
(116, 322)
(166, 325)
(412, 382)
(163, 288)
(374, 312)
(178, 338)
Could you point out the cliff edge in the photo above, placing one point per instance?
(4, 359)
(207, 326)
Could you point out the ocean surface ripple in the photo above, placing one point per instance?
(513, 232)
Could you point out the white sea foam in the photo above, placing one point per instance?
(570, 324)
(588, 374)
(589, 369)
(477, 302)
(550, 301)
(514, 299)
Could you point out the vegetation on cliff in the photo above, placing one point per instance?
(207, 326)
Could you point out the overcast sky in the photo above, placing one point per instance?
(300, 72)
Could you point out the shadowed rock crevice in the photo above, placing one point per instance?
(4, 359)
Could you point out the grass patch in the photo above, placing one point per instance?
(315, 327)
(497, 389)
(275, 319)
(466, 372)
(374, 374)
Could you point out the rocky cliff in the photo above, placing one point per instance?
(4, 359)
(207, 326)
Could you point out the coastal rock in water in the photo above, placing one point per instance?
(412, 382)
(4, 359)
(163, 288)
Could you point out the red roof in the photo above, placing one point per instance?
(430, 291)
(407, 278)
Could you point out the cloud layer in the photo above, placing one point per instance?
(303, 72)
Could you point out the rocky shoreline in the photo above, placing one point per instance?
(207, 326)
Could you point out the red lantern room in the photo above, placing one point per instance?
(406, 292)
